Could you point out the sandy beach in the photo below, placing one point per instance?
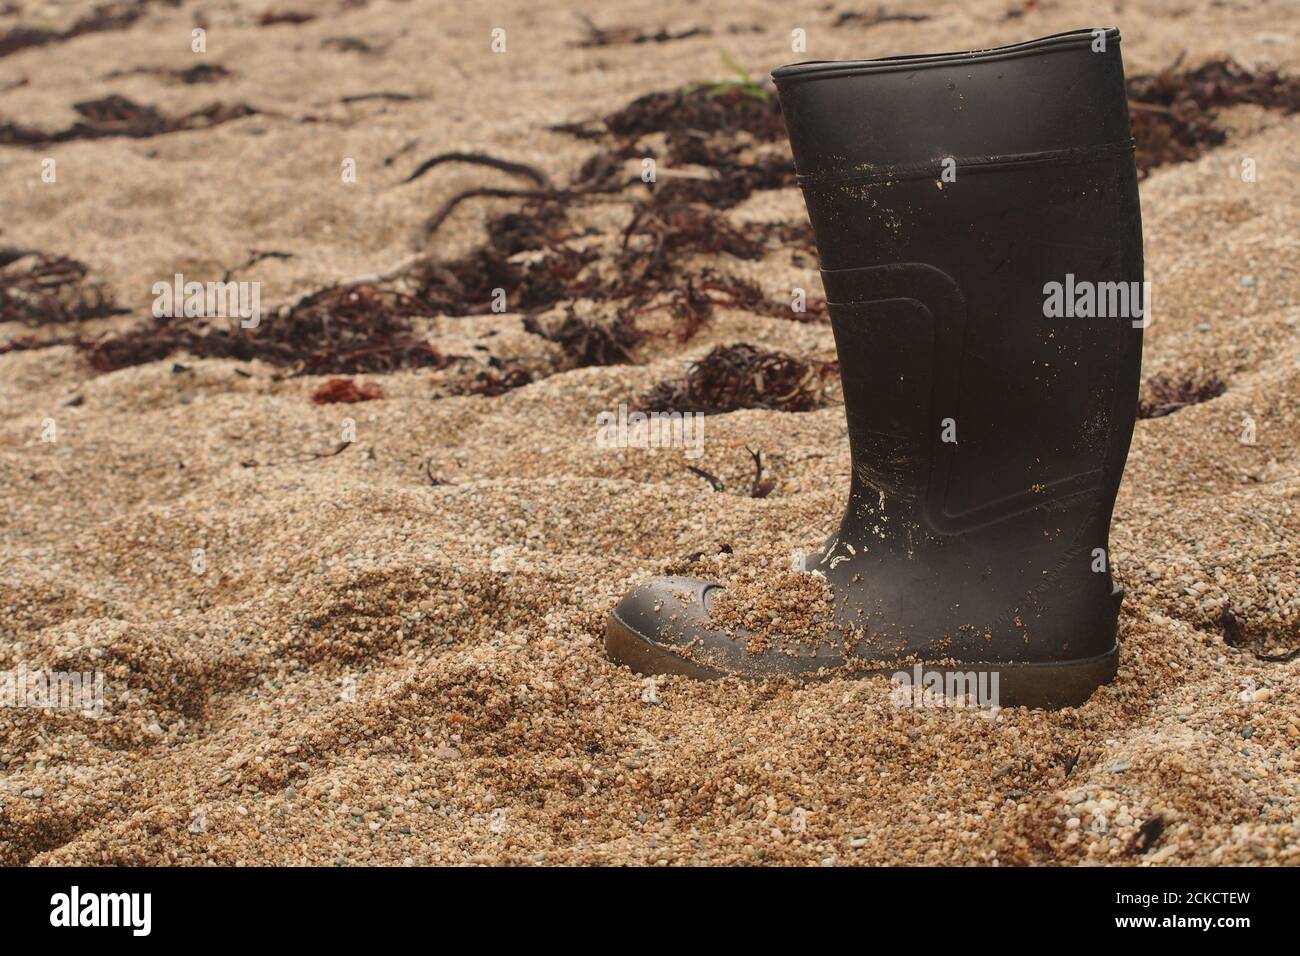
(370, 632)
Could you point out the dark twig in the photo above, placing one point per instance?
(385, 95)
(312, 456)
(434, 480)
(254, 257)
(1072, 761)
(713, 480)
(1148, 833)
(522, 170)
(760, 488)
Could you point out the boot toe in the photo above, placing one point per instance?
(658, 628)
(663, 626)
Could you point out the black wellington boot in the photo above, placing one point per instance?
(977, 220)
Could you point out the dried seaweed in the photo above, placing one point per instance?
(741, 294)
(1165, 394)
(661, 233)
(29, 343)
(693, 308)
(491, 382)
(362, 328)
(1173, 113)
(522, 170)
(115, 115)
(527, 257)
(587, 344)
(881, 15)
(276, 17)
(189, 76)
(39, 290)
(101, 18)
(345, 390)
(739, 376)
(353, 44)
(666, 231)
(340, 330)
(680, 218)
(621, 36)
(468, 286)
(700, 108)
(538, 225)
(733, 181)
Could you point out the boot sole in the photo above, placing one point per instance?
(1041, 684)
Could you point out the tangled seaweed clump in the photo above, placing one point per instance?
(1175, 113)
(39, 290)
(1165, 394)
(349, 329)
(733, 377)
